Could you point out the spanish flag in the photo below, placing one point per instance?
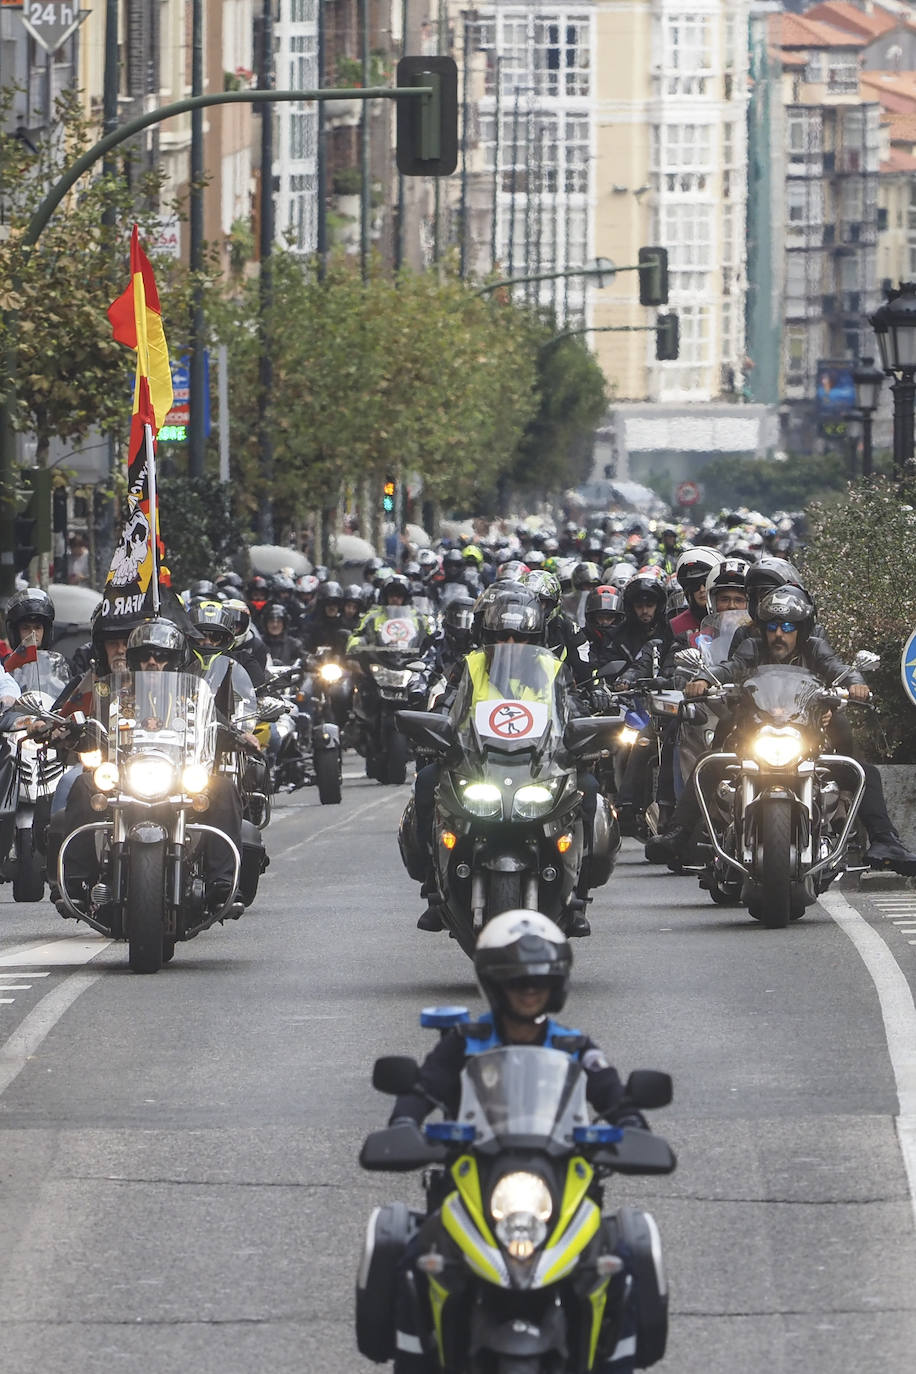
(132, 588)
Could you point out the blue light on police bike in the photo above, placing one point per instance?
(440, 1018)
(637, 720)
(449, 1132)
(597, 1135)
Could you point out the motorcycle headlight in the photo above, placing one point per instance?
(482, 799)
(777, 747)
(194, 778)
(521, 1206)
(330, 672)
(534, 799)
(91, 758)
(150, 777)
(105, 777)
(627, 736)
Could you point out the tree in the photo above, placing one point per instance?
(198, 528)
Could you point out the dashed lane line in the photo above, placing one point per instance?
(340, 824)
(898, 1012)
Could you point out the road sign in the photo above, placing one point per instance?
(908, 667)
(687, 494)
(180, 413)
(51, 22)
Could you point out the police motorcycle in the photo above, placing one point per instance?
(781, 807)
(508, 830)
(513, 1269)
(302, 748)
(29, 772)
(393, 671)
(156, 737)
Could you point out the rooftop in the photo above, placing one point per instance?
(798, 31)
(844, 15)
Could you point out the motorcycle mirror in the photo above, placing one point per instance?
(395, 1074)
(865, 661)
(639, 1152)
(270, 708)
(417, 666)
(590, 734)
(427, 728)
(30, 703)
(647, 1088)
(612, 669)
(398, 1149)
(688, 658)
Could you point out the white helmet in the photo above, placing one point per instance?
(693, 567)
(519, 946)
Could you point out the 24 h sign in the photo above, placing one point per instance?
(51, 22)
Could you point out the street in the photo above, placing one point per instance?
(179, 1188)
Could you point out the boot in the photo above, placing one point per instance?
(670, 844)
(889, 851)
(578, 925)
(626, 819)
(431, 919)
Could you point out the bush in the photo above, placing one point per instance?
(198, 529)
(766, 484)
(861, 566)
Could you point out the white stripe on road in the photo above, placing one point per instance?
(337, 825)
(74, 949)
(899, 1015)
(16, 1052)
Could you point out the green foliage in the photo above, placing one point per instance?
(766, 484)
(861, 566)
(198, 528)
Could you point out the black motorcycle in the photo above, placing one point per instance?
(513, 1269)
(508, 829)
(302, 748)
(158, 749)
(392, 672)
(780, 806)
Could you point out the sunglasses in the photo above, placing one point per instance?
(787, 626)
(155, 656)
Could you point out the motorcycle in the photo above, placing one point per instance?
(512, 1267)
(157, 737)
(392, 672)
(302, 748)
(780, 809)
(29, 774)
(508, 828)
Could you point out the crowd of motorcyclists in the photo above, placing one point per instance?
(577, 658)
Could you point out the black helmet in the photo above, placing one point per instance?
(604, 602)
(522, 947)
(731, 573)
(786, 603)
(453, 565)
(645, 585)
(513, 613)
(394, 582)
(30, 604)
(354, 592)
(214, 620)
(229, 582)
(161, 636)
(764, 576)
(458, 623)
(371, 568)
(329, 592)
(275, 610)
(202, 588)
(586, 575)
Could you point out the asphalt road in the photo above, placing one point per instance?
(178, 1179)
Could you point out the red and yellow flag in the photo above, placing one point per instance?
(132, 587)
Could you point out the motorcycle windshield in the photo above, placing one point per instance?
(715, 635)
(396, 627)
(782, 692)
(523, 1094)
(46, 674)
(509, 699)
(171, 714)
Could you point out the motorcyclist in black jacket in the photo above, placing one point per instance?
(784, 618)
(523, 963)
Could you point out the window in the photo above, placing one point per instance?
(795, 353)
(303, 73)
(302, 224)
(689, 232)
(687, 146)
(688, 45)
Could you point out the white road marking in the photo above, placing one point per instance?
(338, 825)
(72, 950)
(32, 974)
(16, 1052)
(15, 987)
(7, 1001)
(899, 1015)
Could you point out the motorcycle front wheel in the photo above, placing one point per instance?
(145, 900)
(395, 770)
(29, 882)
(327, 774)
(504, 893)
(775, 880)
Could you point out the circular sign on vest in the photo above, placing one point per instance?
(511, 720)
(908, 667)
(396, 632)
(687, 494)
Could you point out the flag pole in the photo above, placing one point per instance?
(153, 512)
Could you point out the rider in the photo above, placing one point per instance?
(604, 613)
(325, 624)
(29, 622)
(279, 643)
(693, 568)
(782, 635)
(644, 601)
(523, 963)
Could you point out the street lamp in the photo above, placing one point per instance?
(894, 324)
(867, 380)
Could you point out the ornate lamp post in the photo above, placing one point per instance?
(894, 324)
(867, 380)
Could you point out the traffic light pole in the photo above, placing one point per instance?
(42, 215)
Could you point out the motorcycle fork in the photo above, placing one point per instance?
(175, 874)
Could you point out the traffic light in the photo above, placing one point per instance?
(653, 276)
(32, 524)
(427, 125)
(667, 337)
(388, 496)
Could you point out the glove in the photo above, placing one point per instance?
(600, 701)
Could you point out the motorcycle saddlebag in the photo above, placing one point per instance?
(387, 1235)
(638, 1243)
